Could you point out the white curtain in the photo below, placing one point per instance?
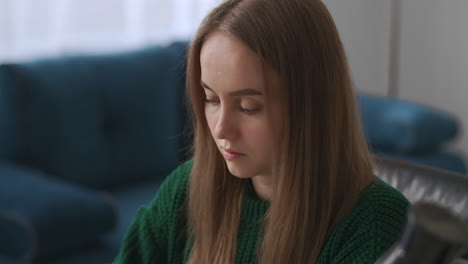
(31, 29)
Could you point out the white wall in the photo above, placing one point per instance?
(433, 65)
(434, 57)
(364, 27)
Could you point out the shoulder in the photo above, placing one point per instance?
(380, 212)
(155, 231)
(378, 193)
(381, 202)
(373, 225)
(173, 189)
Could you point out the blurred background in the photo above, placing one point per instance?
(417, 48)
(92, 117)
(32, 29)
(425, 41)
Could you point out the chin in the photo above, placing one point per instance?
(238, 172)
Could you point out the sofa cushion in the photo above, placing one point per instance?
(405, 127)
(7, 260)
(103, 120)
(10, 113)
(41, 217)
(450, 161)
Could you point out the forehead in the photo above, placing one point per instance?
(228, 64)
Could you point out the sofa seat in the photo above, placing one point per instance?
(129, 200)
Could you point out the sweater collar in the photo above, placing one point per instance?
(252, 205)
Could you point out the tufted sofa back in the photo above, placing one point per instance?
(99, 121)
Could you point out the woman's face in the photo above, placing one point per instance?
(233, 79)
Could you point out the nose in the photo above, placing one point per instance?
(225, 127)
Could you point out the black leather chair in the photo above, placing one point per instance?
(418, 183)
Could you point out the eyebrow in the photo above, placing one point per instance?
(243, 92)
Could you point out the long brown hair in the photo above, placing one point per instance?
(323, 162)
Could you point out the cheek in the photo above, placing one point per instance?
(260, 136)
(265, 136)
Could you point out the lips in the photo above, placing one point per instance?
(233, 152)
(231, 155)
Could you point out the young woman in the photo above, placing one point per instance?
(280, 171)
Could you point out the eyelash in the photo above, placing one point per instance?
(243, 110)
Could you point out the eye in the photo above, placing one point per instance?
(248, 107)
(247, 111)
(211, 101)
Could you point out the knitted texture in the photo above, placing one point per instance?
(158, 233)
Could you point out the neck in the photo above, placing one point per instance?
(262, 186)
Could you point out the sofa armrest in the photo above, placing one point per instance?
(42, 217)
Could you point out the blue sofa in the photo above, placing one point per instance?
(409, 131)
(86, 140)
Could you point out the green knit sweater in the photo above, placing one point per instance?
(158, 233)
